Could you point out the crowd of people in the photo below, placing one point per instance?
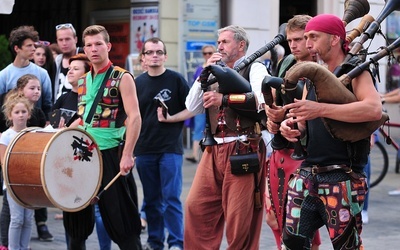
(137, 122)
(22, 41)
(44, 78)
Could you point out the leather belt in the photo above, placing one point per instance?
(315, 169)
(229, 133)
(226, 134)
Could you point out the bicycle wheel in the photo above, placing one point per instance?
(379, 164)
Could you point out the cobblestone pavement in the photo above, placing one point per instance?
(382, 231)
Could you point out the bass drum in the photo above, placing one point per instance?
(53, 168)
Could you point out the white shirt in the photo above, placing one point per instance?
(194, 100)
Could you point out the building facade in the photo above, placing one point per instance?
(184, 25)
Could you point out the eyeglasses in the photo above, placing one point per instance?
(207, 53)
(64, 26)
(151, 52)
(44, 43)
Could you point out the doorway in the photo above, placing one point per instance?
(289, 8)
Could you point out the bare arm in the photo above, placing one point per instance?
(367, 108)
(133, 121)
(395, 92)
(392, 97)
(178, 117)
(75, 123)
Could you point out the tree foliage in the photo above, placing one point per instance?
(5, 54)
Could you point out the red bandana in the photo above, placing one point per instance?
(329, 24)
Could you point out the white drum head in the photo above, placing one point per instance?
(72, 169)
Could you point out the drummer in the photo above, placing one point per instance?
(118, 204)
(79, 64)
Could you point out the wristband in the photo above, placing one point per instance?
(225, 100)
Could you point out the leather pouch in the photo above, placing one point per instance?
(244, 163)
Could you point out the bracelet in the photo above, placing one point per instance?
(225, 100)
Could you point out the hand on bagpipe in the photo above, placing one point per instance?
(203, 78)
(276, 114)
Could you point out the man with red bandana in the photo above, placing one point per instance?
(280, 165)
(330, 186)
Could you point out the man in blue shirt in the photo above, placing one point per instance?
(22, 41)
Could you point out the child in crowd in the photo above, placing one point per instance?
(28, 86)
(17, 110)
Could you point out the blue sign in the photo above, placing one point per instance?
(197, 45)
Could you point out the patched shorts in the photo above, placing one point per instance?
(334, 199)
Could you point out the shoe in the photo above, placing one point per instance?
(394, 192)
(191, 159)
(44, 234)
(364, 217)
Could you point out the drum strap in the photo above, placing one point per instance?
(99, 94)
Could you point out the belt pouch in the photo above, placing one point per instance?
(244, 163)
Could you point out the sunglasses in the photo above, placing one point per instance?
(207, 53)
(44, 43)
(64, 26)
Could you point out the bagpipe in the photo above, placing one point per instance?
(370, 31)
(293, 88)
(331, 89)
(230, 81)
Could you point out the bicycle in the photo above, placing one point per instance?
(379, 157)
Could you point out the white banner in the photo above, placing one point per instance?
(6, 6)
